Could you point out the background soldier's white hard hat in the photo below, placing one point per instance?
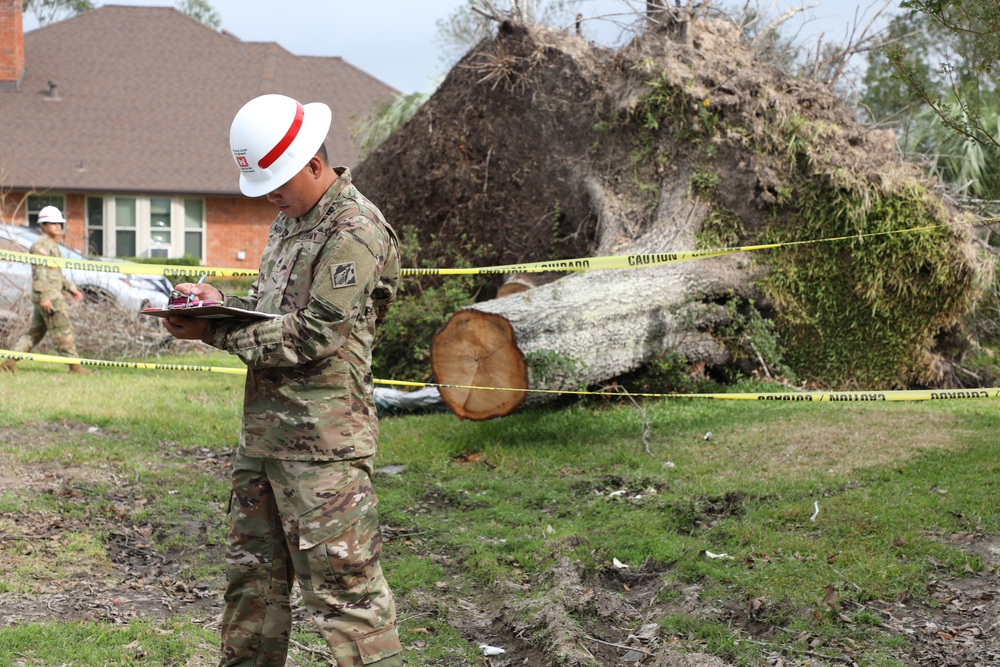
(50, 214)
(273, 137)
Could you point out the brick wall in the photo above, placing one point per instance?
(76, 226)
(11, 42)
(235, 225)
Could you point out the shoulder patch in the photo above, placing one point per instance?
(344, 275)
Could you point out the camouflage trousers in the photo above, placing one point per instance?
(56, 324)
(317, 522)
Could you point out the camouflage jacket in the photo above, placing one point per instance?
(48, 282)
(331, 275)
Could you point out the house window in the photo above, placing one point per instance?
(194, 227)
(37, 202)
(125, 224)
(146, 226)
(95, 225)
(159, 222)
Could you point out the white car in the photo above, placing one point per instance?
(131, 292)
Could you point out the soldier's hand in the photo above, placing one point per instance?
(46, 305)
(201, 291)
(78, 296)
(185, 328)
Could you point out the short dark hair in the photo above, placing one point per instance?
(323, 154)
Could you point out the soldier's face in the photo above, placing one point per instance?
(297, 197)
(52, 229)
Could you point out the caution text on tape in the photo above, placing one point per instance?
(634, 261)
(806, 396)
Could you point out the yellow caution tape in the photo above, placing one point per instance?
(51, 359)
(805, 396)
(124, 267)
(634, 261)
(585, 264)
(591, 263)
(647, 259)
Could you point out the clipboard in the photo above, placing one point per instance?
(209, 310)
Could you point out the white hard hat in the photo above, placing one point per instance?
(273, 137)
(50, 214)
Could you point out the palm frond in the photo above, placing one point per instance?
(380, 124)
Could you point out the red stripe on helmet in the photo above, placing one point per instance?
(286, 140)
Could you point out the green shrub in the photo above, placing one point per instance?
(753, 340)
(403, 348)
(236, 285)
(666, 374)
(186, 260)
(423, 305)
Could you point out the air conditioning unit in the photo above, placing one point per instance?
(161, 251)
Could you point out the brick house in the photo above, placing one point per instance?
(120, 116)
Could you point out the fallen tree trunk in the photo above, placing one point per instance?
(575, 333)
(588, 327)
(520, 282)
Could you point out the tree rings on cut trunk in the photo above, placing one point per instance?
(477, 349)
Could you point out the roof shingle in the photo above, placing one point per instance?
(145, 99)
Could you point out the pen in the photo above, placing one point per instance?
(200, 281)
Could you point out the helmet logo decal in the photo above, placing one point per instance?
(286, 140)
(242, 161)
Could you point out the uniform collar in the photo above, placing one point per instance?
(337, 190)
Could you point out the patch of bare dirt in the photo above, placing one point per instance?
(576, 618)
(135, 582)
(131, 580)
(566, 616)
(961, 625)
(113, 572)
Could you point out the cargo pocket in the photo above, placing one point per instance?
(379, 646)
(342, 539)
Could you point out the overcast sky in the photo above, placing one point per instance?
(397, 40)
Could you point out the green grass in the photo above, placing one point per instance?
(486, 512)
(138, 643)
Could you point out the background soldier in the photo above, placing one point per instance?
(302, 502)
(48, 284)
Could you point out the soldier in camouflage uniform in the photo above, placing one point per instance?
(302, 503)
(47, 286)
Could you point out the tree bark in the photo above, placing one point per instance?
(575, 333)
(520, 282)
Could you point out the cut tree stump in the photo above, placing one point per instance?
(476, 349)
